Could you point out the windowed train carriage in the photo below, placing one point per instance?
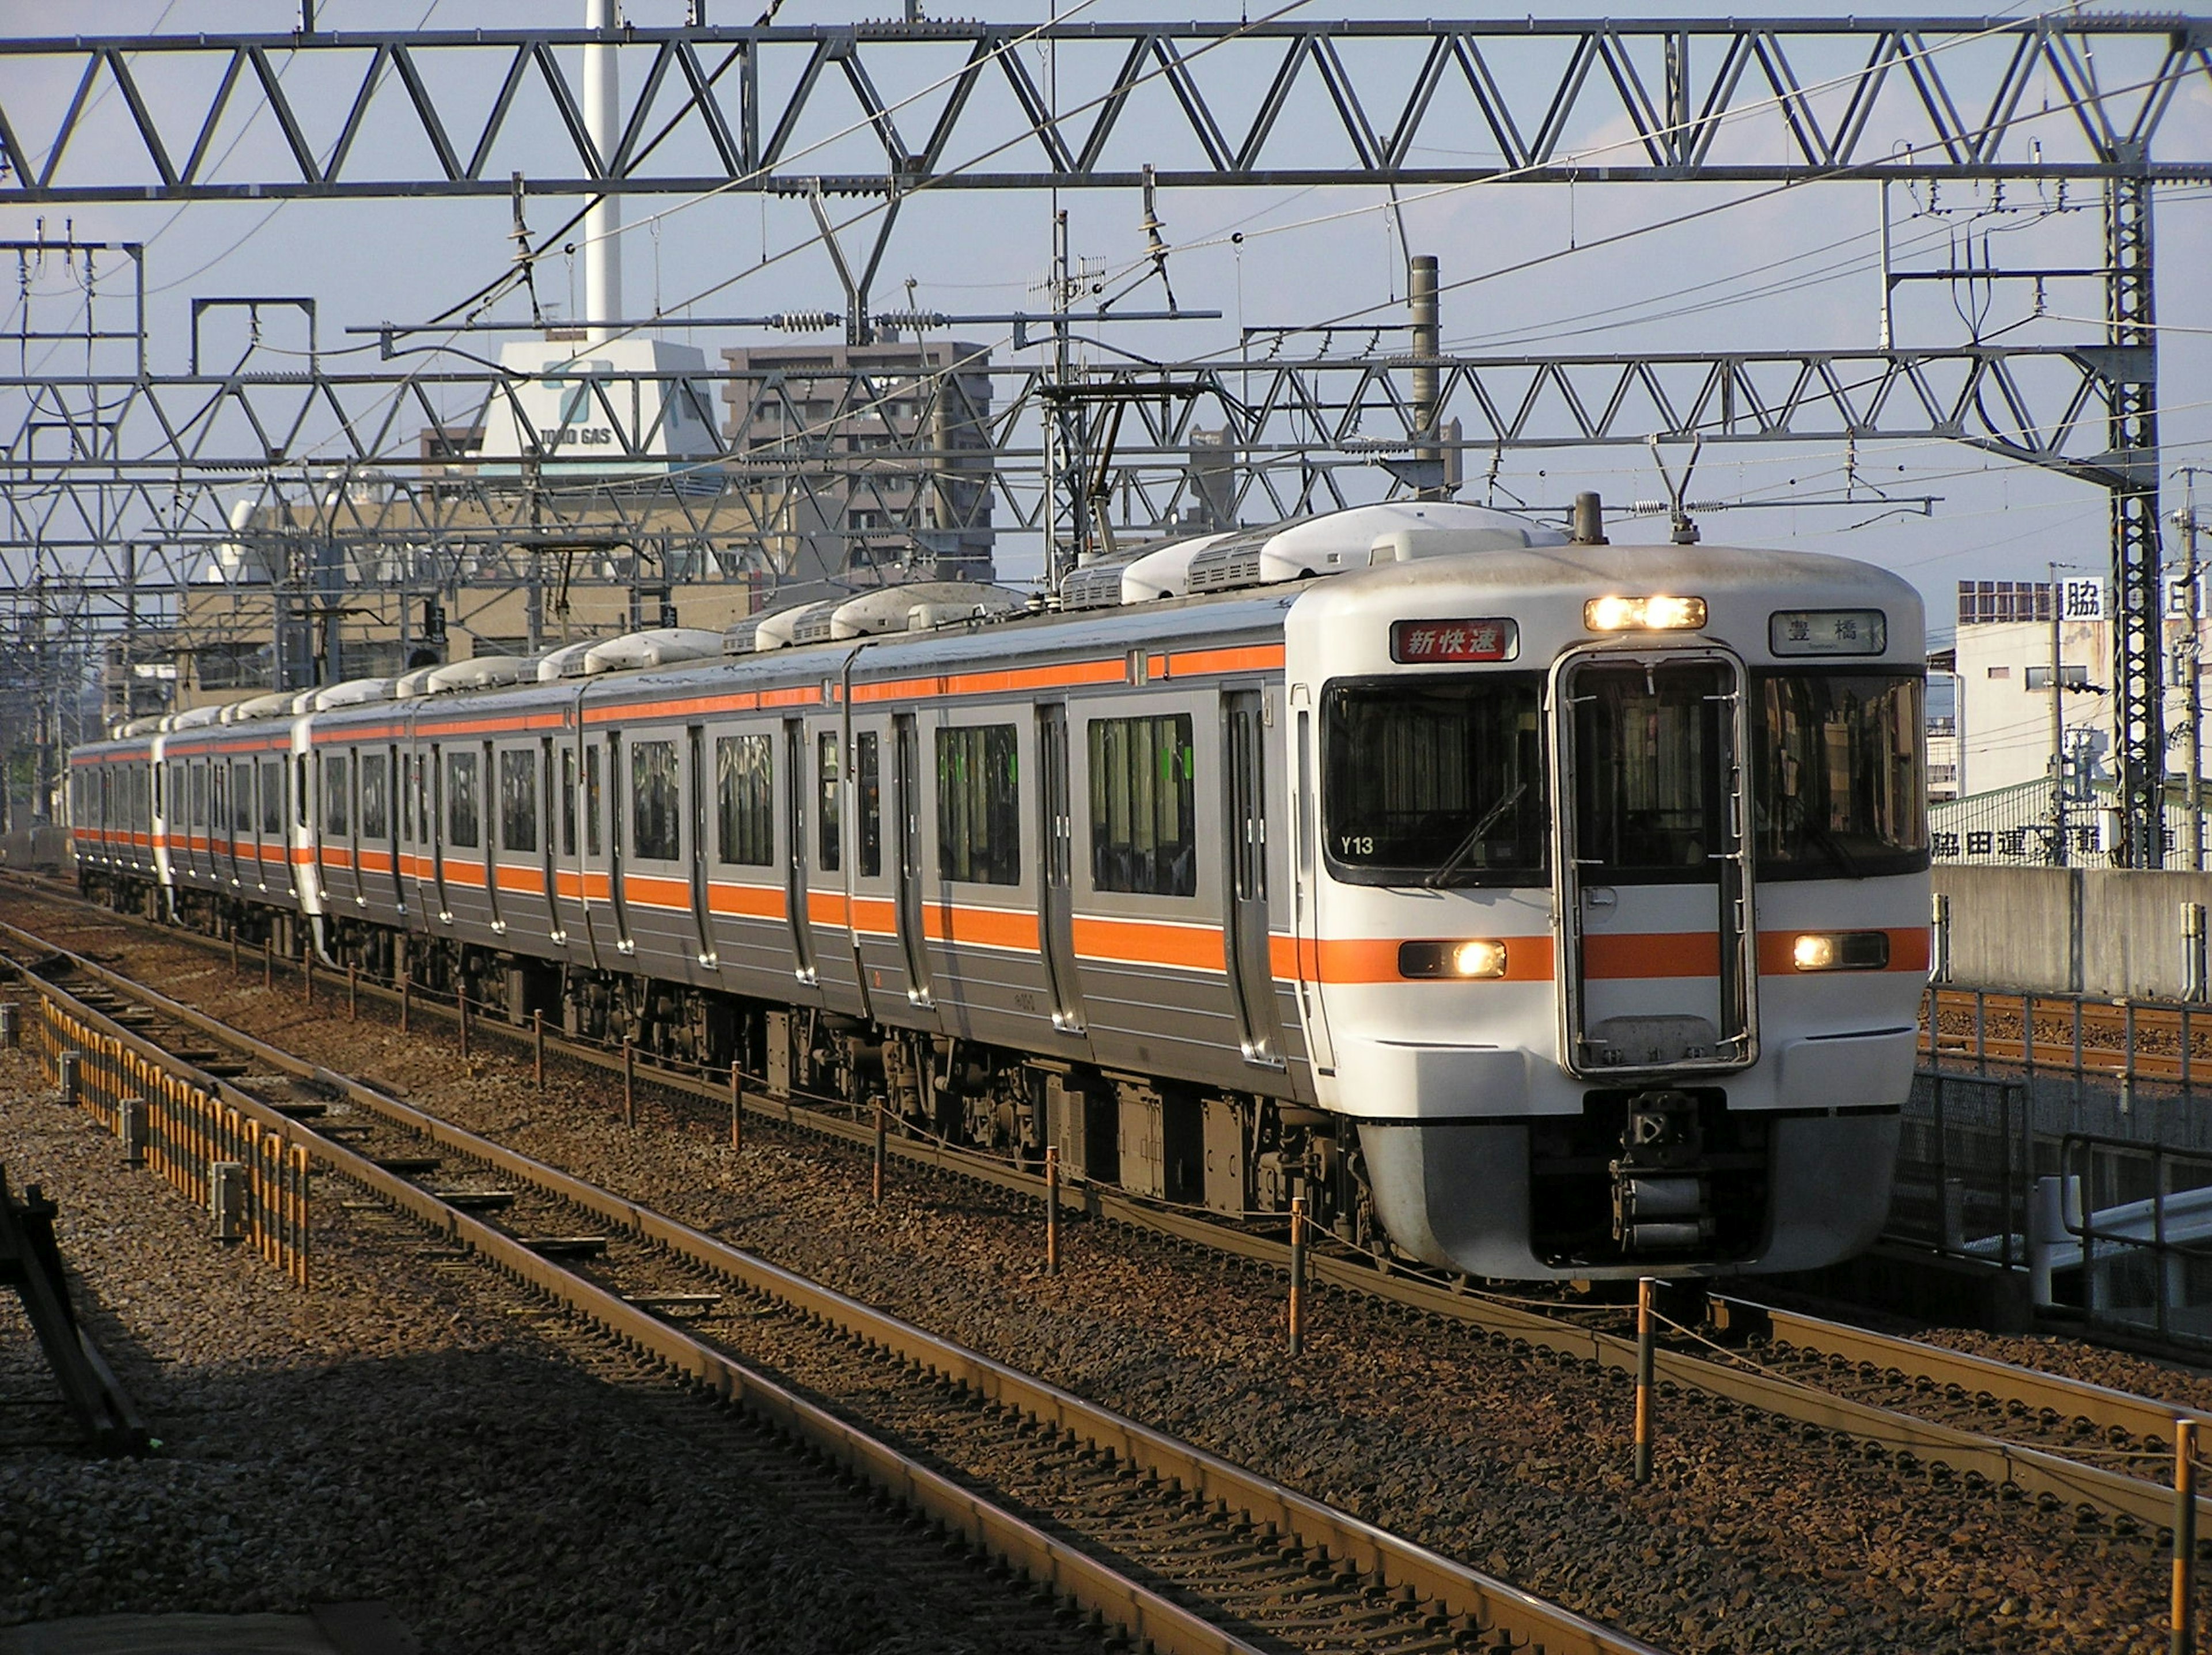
(1535, 908)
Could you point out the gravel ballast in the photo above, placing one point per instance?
(417, 1432)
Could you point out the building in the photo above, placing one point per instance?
(344, 584)
(2032, 678)
(907, 424)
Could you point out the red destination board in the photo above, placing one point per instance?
(1422, 643)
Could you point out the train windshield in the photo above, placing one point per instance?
(1838, 781)
(1650, 769)
(1435, 780)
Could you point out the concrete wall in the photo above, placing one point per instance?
(2096, 931)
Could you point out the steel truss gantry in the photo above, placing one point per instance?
(894, 109)
(1287, 426)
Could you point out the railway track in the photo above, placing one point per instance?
(2166, 1042)
(2019, 1432)
(1158, 1541)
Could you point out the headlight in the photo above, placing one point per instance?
(1840, 951)
(1479, 958)
(1656, 614)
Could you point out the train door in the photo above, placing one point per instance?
(434, 829)
(396, 775)
(1056, 901)
(906, 806)
(617, 898)
(240, 826)
(701, 785)
(796, 862)
(557, 809)
(1656, 932)
(1251, 968)
(489, 828)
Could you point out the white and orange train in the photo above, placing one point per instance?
(1536, 907)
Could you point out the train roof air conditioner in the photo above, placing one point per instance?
(479, 672)
(783, 628)
(662, 647)
(893, 608)
(1329, 545)
(354, 693)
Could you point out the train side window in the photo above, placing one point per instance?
(217, 818)
(375, 797)
(656, 821)
(744, 800)
(407, 797)
(241, 795)
(591, 801)
(337, 818)
(518, 800)
(198, 794)
(1143, 836)
(825, 770)
(299, 789)
(979, 819)
(461, 829)
(272, 797)
(868, 790)
(567, 801)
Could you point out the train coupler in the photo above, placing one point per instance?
(1661, 1201)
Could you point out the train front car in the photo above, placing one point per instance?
(1620, 875)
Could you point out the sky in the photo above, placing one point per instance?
(1530, 269)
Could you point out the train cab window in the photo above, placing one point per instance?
(591, 801)
(656, 820)
(337, 819)
(1838, 788)
(463, 813)
(979, 819)
(1649, 768)
(241, 796)
(375, 796)
(518, 800)
(1435, 780)
(272, 797)
(827, 816)
(744, 801)
(868, 800)
(567, 801)
(1144, 837)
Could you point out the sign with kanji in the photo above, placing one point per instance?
(2081, 600)
(1428, 644)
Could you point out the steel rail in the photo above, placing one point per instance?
(1331, 1534)
(2034, 1471)
(1979, 1376)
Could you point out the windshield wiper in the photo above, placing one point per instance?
(1836, 853)
(1450, 866)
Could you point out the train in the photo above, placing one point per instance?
(1534, 907)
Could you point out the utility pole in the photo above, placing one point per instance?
(2192, 663)
(2058, 731)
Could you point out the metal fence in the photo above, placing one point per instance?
(185, 1132)
(2091, 1169)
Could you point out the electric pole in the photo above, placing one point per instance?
(2192, 663)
